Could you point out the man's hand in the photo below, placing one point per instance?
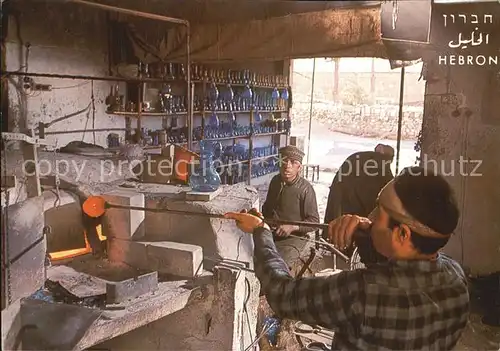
(285, 230)
(341, 229)
(253, 211)
(245, 221)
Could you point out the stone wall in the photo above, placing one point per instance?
(386, 85)
(368, 121)
(368, 118)
(225, 320)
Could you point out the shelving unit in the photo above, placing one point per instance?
(268, 82)
(192, 76)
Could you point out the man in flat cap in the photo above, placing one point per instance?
(358, 181)
(291, 197)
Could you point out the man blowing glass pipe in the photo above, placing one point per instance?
(416, 300)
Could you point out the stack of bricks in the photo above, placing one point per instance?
(127, 240)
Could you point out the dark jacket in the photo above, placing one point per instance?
(292, 202)
(356, 185)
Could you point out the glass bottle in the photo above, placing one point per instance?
(257, 119)
(229, 96)
(284, 94)
(288, 125)
(213, 95)
(247, 92)
(166, 98)
(213, 124)
(205, 178)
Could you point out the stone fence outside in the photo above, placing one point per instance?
(377, 121)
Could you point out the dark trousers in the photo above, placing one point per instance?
(294, 251)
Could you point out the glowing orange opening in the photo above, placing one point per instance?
(64, 255)
(94, 206)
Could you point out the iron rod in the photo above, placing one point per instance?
(400, 115)
(82, 77)
(311, 111)
(190, 89)
(86, 130)
(221, 216)
(132, 12)
(164, 210)
(215, 215)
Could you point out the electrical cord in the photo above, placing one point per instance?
(248, 291)
(238, 246)
(92, 99)
(261, 335)
(74, 114)
(6, 273)
(73, 86)
(86, 125)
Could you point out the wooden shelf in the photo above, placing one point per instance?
(204, 111)
(164, 114)
(194, 81)
(242, 136)
(145, 114)
(156, 147)
(267, 134)
(242, 111)
(246, 161)
(258, 86)
(264, 157)
(225, 138)
(235, 163)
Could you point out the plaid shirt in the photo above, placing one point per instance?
(401, 305)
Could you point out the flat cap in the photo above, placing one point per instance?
(291, 152)
(385, 149)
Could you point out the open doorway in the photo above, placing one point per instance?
(355, 107)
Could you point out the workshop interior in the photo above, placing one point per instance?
(129, 128)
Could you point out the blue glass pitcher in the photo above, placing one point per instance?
(205, 178)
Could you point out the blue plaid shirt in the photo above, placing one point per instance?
(399, 305)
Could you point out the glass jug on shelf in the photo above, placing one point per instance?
(205, 178)
(213, 95)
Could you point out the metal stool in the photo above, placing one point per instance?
(315, 171)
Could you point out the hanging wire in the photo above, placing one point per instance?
(72, 86)
(395, 12)
(92, 99)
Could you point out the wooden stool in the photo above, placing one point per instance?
(315, 171)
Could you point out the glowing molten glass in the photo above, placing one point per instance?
(64, 255)
(94, 206)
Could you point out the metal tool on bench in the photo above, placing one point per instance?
(319, 336)
(96, 206)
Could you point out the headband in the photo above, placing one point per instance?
(390, 202)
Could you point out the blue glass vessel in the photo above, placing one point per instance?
(214, 121)
(284, 94)
(275, 95)
(213, 96)
(205, 178)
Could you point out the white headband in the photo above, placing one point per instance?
(390, 202)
